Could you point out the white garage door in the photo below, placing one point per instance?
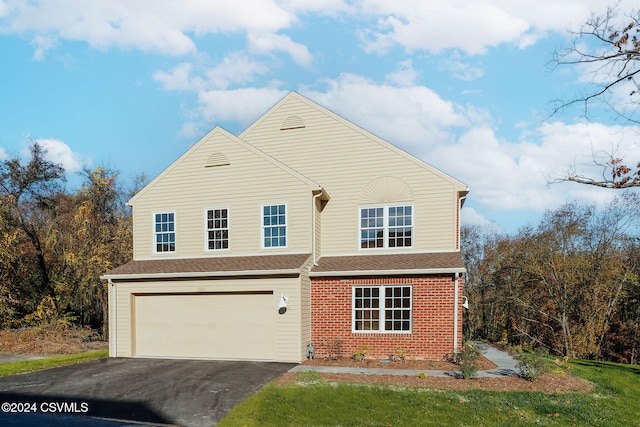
(212, 325)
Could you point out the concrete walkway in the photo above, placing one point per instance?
(506, 366)
(13, 357)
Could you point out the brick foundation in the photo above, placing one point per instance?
(431, 337)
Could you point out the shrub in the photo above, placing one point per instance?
(531, 365)
(334, 347)
(422, 375)
(401, 353)
(468, 359)
(360, 353)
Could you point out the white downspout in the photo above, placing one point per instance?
(113, 333)
(455, 314)
(456, 283)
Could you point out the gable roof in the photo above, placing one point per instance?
(458, 185)
(313, 186)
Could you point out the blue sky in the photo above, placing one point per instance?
(463, 85)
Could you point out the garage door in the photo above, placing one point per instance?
(231, 325)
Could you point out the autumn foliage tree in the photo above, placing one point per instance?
(608, 46)
(55, 244)
(563, 284)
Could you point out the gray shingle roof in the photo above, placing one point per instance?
(419, 263)
(207, 266)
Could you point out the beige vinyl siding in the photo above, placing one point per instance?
(287, 326)
(243, 187)
(345, 160)
(305, 309)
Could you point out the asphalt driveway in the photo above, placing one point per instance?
(152, 391)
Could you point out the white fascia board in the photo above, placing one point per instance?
(193, 274)
(387, 272)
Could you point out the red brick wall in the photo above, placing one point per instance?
(431, 337)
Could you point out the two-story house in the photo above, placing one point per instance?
(304, 228)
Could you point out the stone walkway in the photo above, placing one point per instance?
(506, 366)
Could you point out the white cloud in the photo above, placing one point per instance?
(42, 44)
(459, 69)
(324, 7)
(60, 153)
(415, 118)
(470, 216)
(173, 28)
(3, 154)
(472, 26)
(236, 69)
(506, 175)
(269, 42)
(178, 79)
(4, 9)
(164, 26)
(404, 76)
(240, 105)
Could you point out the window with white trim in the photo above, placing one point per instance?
(382, 308)
(386, 227)
(217, 229)
(274, 226)
(165, 232)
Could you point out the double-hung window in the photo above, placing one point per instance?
(217, 229)
(274, 226)
(165, 232)
(386, 227)
(382, 308)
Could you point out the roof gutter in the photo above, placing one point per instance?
(388, 272)
(194, 274)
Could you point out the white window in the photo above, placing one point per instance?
(274, 226)
(386, 227)
(382, 308)
(165, 232)
(217, 229)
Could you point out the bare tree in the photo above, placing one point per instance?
(612, 52)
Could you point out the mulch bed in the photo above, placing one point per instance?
(547, 383)
(556, 382)
(423, 365)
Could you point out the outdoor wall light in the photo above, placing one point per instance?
(465, 302)
(282, 306)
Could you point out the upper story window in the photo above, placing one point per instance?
(386, 227)
(217, 229)
(165, 232)
(274, 226)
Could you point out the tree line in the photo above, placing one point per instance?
(55, 243)
(569, 284)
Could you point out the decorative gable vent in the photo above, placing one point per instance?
(292, 122)
(217, 159)
(386, 189)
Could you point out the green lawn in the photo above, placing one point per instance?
(12, 368)
(615, 402)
